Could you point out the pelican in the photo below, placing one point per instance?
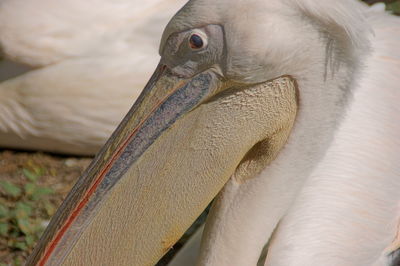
(286, 112)
(65, 61)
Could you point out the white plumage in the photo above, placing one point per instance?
(73, 68)
(347, 210)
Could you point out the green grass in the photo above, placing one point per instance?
(394, 7)
(24, 211)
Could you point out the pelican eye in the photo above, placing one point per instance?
(196, 42)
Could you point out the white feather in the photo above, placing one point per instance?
(331, 196)
(88, 61)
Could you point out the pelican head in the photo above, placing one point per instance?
(236, 79)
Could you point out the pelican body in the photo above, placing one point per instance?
(285, 112)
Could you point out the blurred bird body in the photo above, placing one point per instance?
(71, 69)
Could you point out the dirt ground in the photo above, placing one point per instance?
(54, 172)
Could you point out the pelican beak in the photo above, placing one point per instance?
(138, 196)
(173, 152)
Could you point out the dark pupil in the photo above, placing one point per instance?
(196, 42)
